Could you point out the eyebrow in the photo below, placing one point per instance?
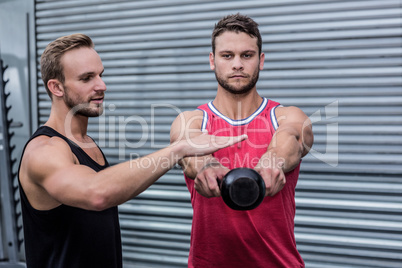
(250, 51)
(230, 51)
(90, 73)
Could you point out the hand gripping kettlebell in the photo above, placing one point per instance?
(242, 189)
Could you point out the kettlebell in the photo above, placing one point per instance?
(242, 189)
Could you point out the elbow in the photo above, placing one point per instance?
(307, 137)
(98, 200)
(99, 205)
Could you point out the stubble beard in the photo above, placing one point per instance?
(80, 107)
(238, 90)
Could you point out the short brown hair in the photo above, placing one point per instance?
(237, 23)
(50, 65)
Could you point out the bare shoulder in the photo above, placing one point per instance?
(42, 159)
(42, 156)
(294, 120)
(184, 122)
(190, 116)
(290, 114)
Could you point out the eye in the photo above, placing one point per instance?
(226, 56)
(85, 78)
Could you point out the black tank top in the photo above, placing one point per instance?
(69, 237)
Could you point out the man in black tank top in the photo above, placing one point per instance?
(69, 193)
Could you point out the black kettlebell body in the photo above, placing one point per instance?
(242, 189)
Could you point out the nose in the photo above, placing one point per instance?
(100, 84)
(237, 63)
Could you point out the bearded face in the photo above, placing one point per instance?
(85, 107)
(83, 87)
(236, 62)
(238, 87)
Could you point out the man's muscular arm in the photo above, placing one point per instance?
(291, 141)
(204, 170)
(50, 176)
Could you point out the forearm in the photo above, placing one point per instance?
(206, 173)
(285, 150)
(120, 183)
(193, 165)
(289, 144)
(283, 155)
(133, 177)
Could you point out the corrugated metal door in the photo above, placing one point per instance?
(340, 61)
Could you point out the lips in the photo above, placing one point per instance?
(97, 100)
(238, 76)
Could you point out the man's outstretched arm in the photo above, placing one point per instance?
(292, 140)
(204, 170)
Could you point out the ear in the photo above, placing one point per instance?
(56, 87)
(262, 59)
(211, 61)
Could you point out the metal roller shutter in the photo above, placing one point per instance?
(340, 61)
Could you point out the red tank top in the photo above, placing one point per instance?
(262, 237)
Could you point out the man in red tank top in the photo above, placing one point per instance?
(278, 137)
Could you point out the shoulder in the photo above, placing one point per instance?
(290, 113)
(44, 145)
(44, 162)
(192, 114)
(44, 154)
(190, 117)
(185, 121)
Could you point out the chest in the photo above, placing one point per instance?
(248, 152)
(95, 154)
(88, 153)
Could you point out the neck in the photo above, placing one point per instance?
(73, 126)
(237, 107)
